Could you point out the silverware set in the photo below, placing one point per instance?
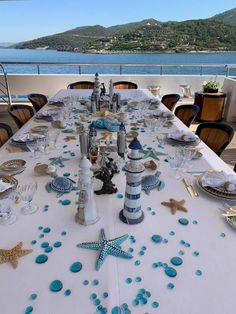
(190, 187)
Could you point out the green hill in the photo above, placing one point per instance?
(214, 34)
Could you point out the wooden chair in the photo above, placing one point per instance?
(216, 135)
(21, 113)
(5, 133)
(187, 113)
(125, 85)
(235, 168)
(170, 100)
(81, 85)
(37, 100)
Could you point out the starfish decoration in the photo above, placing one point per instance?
(70, 138)
(151, 153)
(175, 205)
(106, 247)
(11, 256)
(57, 160)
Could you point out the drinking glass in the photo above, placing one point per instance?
(161, 139)
(33, 147)
(53, 137)
(26, 193)
(6, 215)
(176, 163)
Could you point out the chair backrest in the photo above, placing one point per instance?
(170, 100)
(216, 135)
(81, 85)
(235, 168)
(37, 100)
(5, 133)
(187, 113)
(212, 106)
(21, 113)
(125, 85)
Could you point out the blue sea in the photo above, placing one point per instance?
(27, 55)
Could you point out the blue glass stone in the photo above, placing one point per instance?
(48, 249)
(182, 242)
(42, 258)
(93, 296)
(143, 301)
(56, 286)
(44, 245)
(148, 294)
(139, 296)
(142, 290)
(67, 292)
(65, 202)
(128, 280)
(176, 261)
(155, 304)
(135, 302)
(99, 308)
(96, 302)
(76, 267)
(154, 265)
(141, 253)
(156, 238)
(183, 221)
(222, 235)
(64, 146)
(46, 230)
(171, 272)
(95, 282)
(72, 154)
(116, 310)
(138, 279)
(41, 235)
(198, 272)
(165, 241)
(105, 295)
(40, 228)
(119, 196)
(63, 233)
(137, 263)
(66, 174)
(149, 208)
(153, 213)
(170, 285)
(160, 264)
(172, 233)
(133, 240)
(45, 209)
(187, 244)
(33, 296)
(181, 252)
(85, 282)
(130, 250)
(33, 242)
(143, 248)
(124, 306)
(28, 310)
(194, 222)
(195, 253)
(164, 265)
(57, 244)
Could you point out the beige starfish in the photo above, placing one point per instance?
(70, 138)
(11, 256)
(175, 205)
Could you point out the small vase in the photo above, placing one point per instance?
(210, 90)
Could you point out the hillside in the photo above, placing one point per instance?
(214, 34)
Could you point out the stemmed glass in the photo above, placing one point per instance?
(176, 162)
(161, 139)
(32, 145)
(6, 215)
(53, 137)
(26, 193)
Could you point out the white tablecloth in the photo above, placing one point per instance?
(212, 292)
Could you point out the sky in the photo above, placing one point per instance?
(22, 20)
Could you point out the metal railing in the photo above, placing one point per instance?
(226, 69)
(5, 94)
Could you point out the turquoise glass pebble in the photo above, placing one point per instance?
(170, 285)
(44, 245)
(128, 280)
(41, 259)
(187, 244)
(138, 279)
(85, 282)
(154, 265)
(29, 309)
(153, 213)
(170, 271)
(57, 244)
(149, 208)
(139, 296)
(155, 304)
(182, 242)
(67, 292)
(93, 296)
(63, 233)
(135, 302)
(165, 241)
(198, 272)
(222, 235)
(181, 252)
(130, 250)
(66, 174)
(172, 233)
(65, 202)
(116, 310)
(33, 296)
(164, 265)
(105, 295)
(137, 263)
(156, 238)
(195, 253)
(56, 286)
(148, 294)
(95, 282)
(76, 267)
(46, 230)
(183, 221)
(40, 228)
(143, 301)
(33, 242)
(143, 248)
(176, 261)
(195, 222)
(120, 196)
(48, 249)
(141, 253)
(41, 235)
(96, 302)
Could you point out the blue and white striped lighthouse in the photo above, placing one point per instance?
(132, 212)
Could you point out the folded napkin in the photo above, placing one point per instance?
(4, 186)
(183, 136)
(27, 136)
(219, 179)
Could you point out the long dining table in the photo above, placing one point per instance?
(177, 268)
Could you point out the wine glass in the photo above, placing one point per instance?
(32, 145)
(26, 193)
(6, 215)
(53, 137)
(176, 162)
(161, 139)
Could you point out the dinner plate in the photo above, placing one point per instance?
(8, 179)
(181, 142)
(217, 192)
(39, 128)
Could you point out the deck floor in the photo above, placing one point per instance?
(229, 155)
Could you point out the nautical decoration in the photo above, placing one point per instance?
(150, 164)
(11, 256)
(121, 141)
(106, 247)
(132, 213)
(151, 153)
(105, 175)
(152, 182)
(84, 143)
(175, 205)
(60, 185)
(58, 160)
(86, 211)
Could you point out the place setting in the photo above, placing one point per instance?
(182, 138)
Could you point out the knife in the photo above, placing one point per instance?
(189, 188)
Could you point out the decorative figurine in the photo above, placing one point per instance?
(103, 90)
(121, 141)
(105, 175)
(86, 211)
(132, 213)
(152, 182)
(96, 91)
(93, 104)
(84, 143)
(111, 92)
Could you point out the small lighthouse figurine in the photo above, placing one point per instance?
(86, 211)
(132, 212)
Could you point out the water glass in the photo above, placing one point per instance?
(176, 163)
(53, 137)
(6, 215)
(32, 145)
(26, 193)
(161, 137)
